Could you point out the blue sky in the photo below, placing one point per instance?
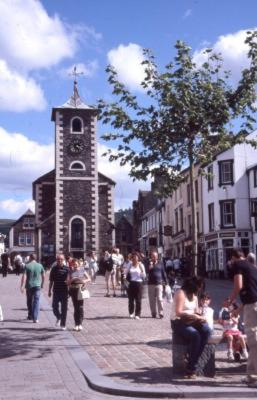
(40, 41)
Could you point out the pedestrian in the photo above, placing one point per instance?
(92, 266)
(77, 278)
(125, 267)
(33, 280)
(5, 260)
(135, 276)
(187, 323)
(157, 278)
(110, 273)
(18, 264)
(251, 258)
(245, 284)
(118, 260)
(59, 288)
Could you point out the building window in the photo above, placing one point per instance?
(211, 216)
(28, 222)
(254, 207)
(227, 213)
(77, 166)
(226, 172)
(176, 221)
(77, 234)
(181, 218)
(198, 222)
(210, 177)
(188, 195)
(196, 191)
(189, 224)
(76, 125)
(26, 239)
(255, 177)
(255, 224)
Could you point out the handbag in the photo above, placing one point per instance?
(83, 294)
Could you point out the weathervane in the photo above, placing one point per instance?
(75, 74)
(76, 99)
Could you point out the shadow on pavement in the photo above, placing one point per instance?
(164, 376)
(160, 344)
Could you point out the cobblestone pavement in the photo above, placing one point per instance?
(138, 352)
(35, 361)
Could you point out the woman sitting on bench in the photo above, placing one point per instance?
(188, 323)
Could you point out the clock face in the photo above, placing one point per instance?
(76, 147)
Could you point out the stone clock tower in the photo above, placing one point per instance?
(76, 176)
(68, 198)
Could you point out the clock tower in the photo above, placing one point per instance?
(76, 177)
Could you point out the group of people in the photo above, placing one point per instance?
(130, 275)
(65, 279)
(194, 322)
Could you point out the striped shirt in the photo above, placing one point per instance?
(58, 275)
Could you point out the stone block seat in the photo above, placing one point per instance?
(206, 363)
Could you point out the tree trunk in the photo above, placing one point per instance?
(194, 214)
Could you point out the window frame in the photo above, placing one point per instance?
(77, 169)
(222, 215)
(82, 125)
(221, 164)
(211, 217)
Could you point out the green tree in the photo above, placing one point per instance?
(192, 113)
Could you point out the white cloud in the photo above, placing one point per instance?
(233, 50)
(30, 38)
(127, 62)
(87, 70)
(14, 208)
(19, 93)
(21, 161)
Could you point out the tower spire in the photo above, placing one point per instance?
(75, 97)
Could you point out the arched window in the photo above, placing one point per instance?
(77, 166)
(77, 234)
(76, 125)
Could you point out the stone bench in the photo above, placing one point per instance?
(206, 363)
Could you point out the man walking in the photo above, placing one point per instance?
(33, 280)
(245, 284)
(58, 285)
(156, 279)
(5, 264)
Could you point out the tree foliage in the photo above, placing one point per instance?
(188, 118)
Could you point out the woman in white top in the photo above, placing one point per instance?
(135, 275)
(188, 324)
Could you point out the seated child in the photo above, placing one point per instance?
(205, 310)
(231, 333)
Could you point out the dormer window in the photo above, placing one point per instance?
(77, 166)
(76, 125)
(28, 222)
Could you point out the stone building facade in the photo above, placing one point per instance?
(22, 236)
(74, 202)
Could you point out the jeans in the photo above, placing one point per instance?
(60, 298)
(33, 295)
(78, 306)
(135, 297)
(195, 338)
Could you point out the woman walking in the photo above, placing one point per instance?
(92, 265)
(76, 280)
(135, 274)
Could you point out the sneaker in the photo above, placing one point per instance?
(137, 317)
(131, 316)
(161, 316)
(36, 321)
(58, 323)
(76, 328)
(245, 354)
(80, 328)
(63, 328)
(107, 295)
(114, 294)
(230, 355)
